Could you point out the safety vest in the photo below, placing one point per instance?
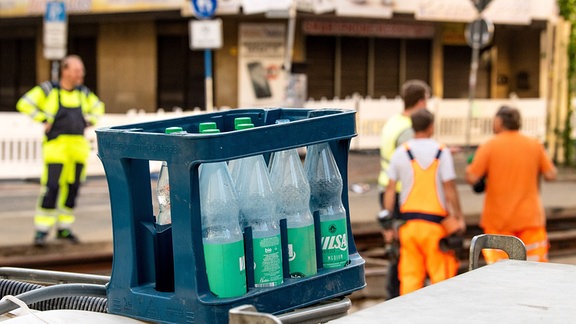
(49, 103)
(423, 200)
(393, 129)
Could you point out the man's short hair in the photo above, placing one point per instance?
(510, 117)
(66, 61)
(421, 120)
(414, 91)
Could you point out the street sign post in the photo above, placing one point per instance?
(478, 35)
(205, 9)
(205, 34)
(481, 4)
(55, 38)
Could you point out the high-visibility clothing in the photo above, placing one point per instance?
(420, 252)
(65, 149)
(512, 163)
(535, 239)
(396, 130)
(423, 201)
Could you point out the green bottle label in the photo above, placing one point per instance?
(334, 243)
(267, 261)
(302, 251)
(226, 269)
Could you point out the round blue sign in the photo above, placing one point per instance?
(204, 9)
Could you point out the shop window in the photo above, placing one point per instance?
(18, 70)
(85, 47)
(354, 66)
(343, 66)
(386, 67)
(320, 59)
(180, 74)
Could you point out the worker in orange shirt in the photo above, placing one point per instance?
(512, 164)
(429, 205)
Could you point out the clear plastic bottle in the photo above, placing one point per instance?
(221, 235)
(292, 198)
(258, 210)
(326, 198)
(240, 123)
(163, 186)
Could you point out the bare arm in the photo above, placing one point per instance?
(551, 174)
(453, 204)
(390, 196)
(471, 178)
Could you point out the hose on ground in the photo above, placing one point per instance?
(87, 297)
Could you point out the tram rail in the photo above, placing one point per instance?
(96, 258)
(368, 239)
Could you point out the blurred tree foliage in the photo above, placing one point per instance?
(568, 12)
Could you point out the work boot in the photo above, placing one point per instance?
(66, 234)
(40, 239)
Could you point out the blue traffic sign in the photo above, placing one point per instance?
(204, 9)
(55, 11)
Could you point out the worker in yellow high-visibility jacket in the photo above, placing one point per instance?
(65, 108)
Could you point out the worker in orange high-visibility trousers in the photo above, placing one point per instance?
(429, 205)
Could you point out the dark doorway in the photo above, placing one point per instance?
(180, 74)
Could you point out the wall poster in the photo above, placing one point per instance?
(261, 79)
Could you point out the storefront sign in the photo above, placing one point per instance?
(367, 29)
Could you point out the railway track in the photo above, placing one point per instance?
(97, 257)
(561, 228)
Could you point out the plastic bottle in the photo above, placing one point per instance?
(292, 198)
(326, 198)
(163, 186)
(271, 159)
(221, 235)
(240, 123)
(258, 210)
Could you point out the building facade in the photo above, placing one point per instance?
(137, 53)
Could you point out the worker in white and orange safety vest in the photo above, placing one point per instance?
(429, 205)
(65, 108)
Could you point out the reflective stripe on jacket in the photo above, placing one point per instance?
(42, 102)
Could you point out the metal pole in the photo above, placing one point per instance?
(289, 46)
(208, 80)
(54, 72)
(290, 38)
(475, 32)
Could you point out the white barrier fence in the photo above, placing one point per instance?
(21, 151)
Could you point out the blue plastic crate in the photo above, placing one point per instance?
(125, 152)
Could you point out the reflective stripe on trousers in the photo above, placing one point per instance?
(65, 159)
(535, 239)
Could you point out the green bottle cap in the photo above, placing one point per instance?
(171, 130)
(241, 120)
(210, 131)
(244, 126)
(207, 125)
